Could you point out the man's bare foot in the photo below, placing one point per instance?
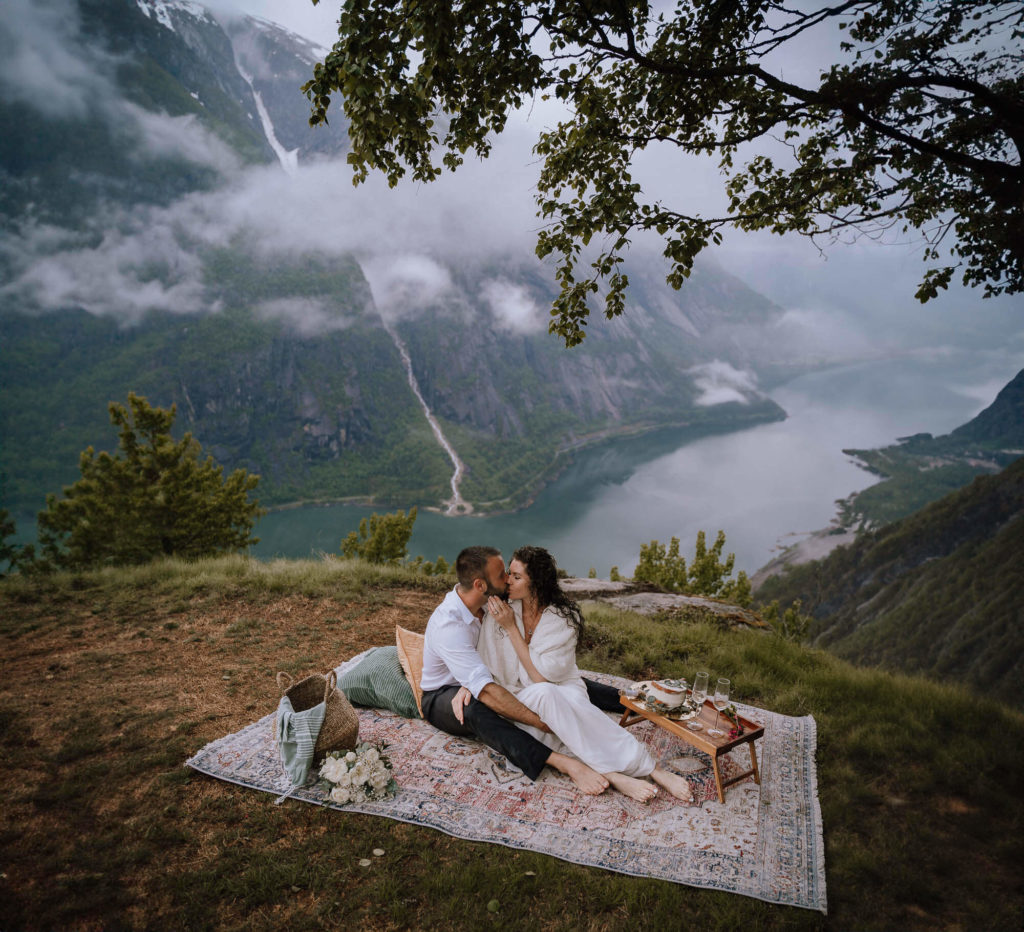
(641, 790)
(587, 780)
(672, 782)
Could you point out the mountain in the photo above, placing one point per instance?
(330, 414)
(921, 468)
(170, 225)
(939, 592)
(168, 102)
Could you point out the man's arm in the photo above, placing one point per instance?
(505, 704)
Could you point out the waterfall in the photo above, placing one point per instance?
(456, 504)
(289, 159)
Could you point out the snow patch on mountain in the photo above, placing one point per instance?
(161, 10)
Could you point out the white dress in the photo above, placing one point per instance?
(579, 727)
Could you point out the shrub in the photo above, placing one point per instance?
(707, 575)
(381, 538)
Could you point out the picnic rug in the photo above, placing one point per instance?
(764, 841)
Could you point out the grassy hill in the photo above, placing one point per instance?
(939, 592)
(112, 679)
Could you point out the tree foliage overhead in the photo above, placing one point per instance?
(154, 498)
(914, 121)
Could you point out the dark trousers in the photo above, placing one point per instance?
(501, 734)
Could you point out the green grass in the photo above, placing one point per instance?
(921, 784)
(116, 589)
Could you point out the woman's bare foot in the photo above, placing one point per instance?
(641, 790)
(587, 780)
(675, 784)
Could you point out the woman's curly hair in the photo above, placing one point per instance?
(543, 575)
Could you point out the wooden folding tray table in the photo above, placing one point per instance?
(714, 747)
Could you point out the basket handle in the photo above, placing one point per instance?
(332, 682)
(286, 685)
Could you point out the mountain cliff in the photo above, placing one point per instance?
(938, 592)
(170, 225)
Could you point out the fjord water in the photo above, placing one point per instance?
(762, 486)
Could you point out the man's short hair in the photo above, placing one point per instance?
(471, 564)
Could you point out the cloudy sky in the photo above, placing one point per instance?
(858, 295)
(862, 290)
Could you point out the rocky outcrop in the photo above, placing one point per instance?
(644, 601)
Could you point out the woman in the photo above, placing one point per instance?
(530, 648)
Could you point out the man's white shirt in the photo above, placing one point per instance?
(449, 648)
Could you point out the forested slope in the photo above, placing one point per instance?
(939, 592)
(922, 468)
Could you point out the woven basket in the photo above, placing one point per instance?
(340, 730)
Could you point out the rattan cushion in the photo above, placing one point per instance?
(410, 655)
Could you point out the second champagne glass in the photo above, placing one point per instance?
(698, 694)
(720, 702)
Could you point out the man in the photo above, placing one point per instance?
(451, 661)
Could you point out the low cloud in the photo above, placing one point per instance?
(164, 136)
(719, 383)
(307, 316)
(512, 306)
(47, 64)
(820, 334)
(125, 274)
(404, 285)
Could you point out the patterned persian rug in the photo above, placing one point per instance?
(764, 842)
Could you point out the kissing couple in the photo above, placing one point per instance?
(499, 665)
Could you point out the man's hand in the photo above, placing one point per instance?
(460, 702)
(502, 612)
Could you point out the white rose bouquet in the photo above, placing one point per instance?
(357, 776)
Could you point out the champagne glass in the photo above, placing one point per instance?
(720, 702)
(698, 694)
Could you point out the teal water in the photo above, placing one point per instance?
(758, 485)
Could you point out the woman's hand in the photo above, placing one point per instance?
(460, 702)
(502, 612)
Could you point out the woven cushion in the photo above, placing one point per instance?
(410, 655)
(378, 681)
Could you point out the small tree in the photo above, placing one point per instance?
(662, 567)
(706, 574)
(14, 555)
(790, 623)
(154, 498)
(382, 538)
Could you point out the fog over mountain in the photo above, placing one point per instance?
(856, 294)
(175, 228)
(156, 167)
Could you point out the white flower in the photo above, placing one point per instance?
(340, 795)
(333, 769)
(356, 776)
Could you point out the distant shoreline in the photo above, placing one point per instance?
(815, 545)
(562, 459)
